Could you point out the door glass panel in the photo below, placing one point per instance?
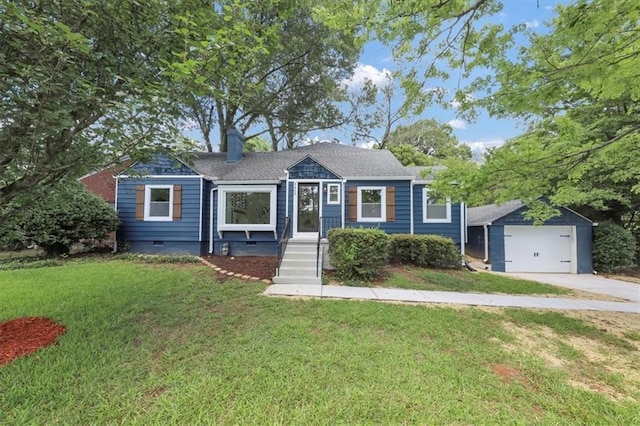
(308, 207)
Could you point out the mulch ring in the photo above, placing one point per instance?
(22, 336)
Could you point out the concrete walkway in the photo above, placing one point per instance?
(474, 299)
(586, 282)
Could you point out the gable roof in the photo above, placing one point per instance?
(484, 215)
(344, 160)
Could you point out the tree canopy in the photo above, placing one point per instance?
(291, 86)
(82, 84)
(577, 86)
(431, 138)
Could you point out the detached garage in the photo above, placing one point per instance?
(501, 236)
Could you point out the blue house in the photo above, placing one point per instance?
(246, 203)
(502, 237)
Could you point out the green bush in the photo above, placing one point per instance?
(424, 250)
(358, 253)
(63, 216)
(614, 248)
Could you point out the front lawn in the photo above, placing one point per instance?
(414, 278)
(169, 344)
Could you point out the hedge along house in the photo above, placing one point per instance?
(245, 203)
(501, 236)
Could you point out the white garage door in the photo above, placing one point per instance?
(539, 249)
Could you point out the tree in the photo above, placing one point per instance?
(431, 138)
(61, 217)
(408, 155)
(435, 36)
(257, 144)
(288, 87)
(83, 84)
(577, 87)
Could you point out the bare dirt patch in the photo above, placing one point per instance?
(22, 336)
(593, 365)
(509, 374)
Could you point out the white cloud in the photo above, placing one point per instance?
(532, 24)
(503, 15)
(363, 73)
(457, 123)
(548, 7)
(368, 145)
(479, 146)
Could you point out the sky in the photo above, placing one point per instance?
(485, 131)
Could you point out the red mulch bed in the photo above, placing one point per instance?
(22, 336)
(263, 267)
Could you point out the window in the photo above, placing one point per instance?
(372, 204)
(158, 202)
(247, 208)
(333, 193)
(435, 208)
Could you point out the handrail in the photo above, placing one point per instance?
(283, 241)
(318, 248)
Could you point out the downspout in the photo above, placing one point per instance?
(463, 227)
(115, 206)
(486, 242)
(286, 196)
(344, 203)
(411, 209)
(201, 224)
(211, 219)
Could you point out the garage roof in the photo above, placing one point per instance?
(484, 215)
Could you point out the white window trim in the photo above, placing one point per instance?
(383, 202)
(329, 186)
(425, 219)
(222, 200)
(147, 204)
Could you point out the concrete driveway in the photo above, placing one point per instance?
(587, 282)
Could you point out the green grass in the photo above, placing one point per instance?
(414, 278)
(164, 344)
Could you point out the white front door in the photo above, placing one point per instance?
(306, 210)
(540, 249)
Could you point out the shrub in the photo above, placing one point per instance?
(64, 216)
(614, 248)
(358, 253)
(424, 250)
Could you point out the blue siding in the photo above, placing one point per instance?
(475, 245)
(162, 165)
(401, 224)
(206, 216)
(331, 213)
(260, 243)
(584, 236)
(567, 217)
(496, 247)
(140, 234)
(450, 229)
(310, 169)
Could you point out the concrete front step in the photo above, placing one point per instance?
(298, 263)
(297, 272)
(297, 280)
